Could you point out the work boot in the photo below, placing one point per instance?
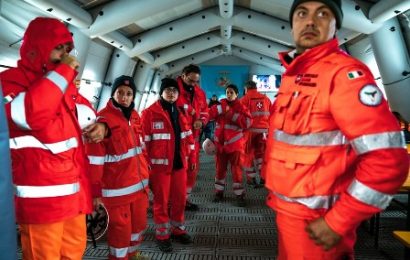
(164, 245)
(240, 201)
(189, 206)
(219, 196)
(182, 238)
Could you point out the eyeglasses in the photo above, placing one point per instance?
(191, 81)
(171, 90)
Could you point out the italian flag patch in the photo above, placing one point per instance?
(354, 74)
(8, 98)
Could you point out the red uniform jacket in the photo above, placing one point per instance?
(334, 148)
(231, 119)
(159, 138)
(259, 107)
(48, 159)
(118, 167)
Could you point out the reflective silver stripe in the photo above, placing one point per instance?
(368, 195)
(231, 127)
(185, 106)
(58, 80)
(368, 143)
(159, 161)
(260, 113)
(147, 138)
(185, 134)
(179, 225)
(219, 107)
(161, 136)
(192, 146)
(235, 117)
(118, 252)
(234, 139)
(46, 191)
(313, 202)
(237, 188)
(116, 158)
(220, 184)
(136, 236)
(164, 226)
(315, 139)
(29, 141)
(18, 111)
(125, 191)
(96, 160)
(258, 130)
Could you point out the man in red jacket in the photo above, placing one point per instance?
(49, 163)
(193, 100)
(323, 162)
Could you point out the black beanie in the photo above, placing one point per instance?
(334, 5)
(124, 81)
(167, 83)
(234, 87)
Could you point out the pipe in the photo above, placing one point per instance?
(384, 10)
(258, 59)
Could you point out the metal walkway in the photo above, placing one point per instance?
(223, 231)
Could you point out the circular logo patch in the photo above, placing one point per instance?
(370, 95)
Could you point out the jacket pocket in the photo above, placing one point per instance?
(280, 107)
(293, 170)
(119, 141)
(299, 112)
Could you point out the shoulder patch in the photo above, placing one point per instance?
(9, 98)
(354, 74)
(370, 95)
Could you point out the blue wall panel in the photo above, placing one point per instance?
(215, 78)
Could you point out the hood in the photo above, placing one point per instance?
(41, 37)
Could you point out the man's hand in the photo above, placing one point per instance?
(320, 232)
(97, 202)
(95, 133)
(198, 124)
(70, 61)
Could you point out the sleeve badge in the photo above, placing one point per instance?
(370, 95)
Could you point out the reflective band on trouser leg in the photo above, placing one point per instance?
(138, 222)
(177, 197)
(294, 242)
(59, 240)
(119, 230)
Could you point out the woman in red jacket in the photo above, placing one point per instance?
(168, 139)
(231, 118)
(119, 172)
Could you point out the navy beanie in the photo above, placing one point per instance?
(334, 5)
(124, 81)
(167, 83)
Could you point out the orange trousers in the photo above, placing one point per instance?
(295, 244)
(61, 240)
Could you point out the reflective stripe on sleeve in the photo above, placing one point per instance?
(29, 141)
(58, 80)
(235, 117)
(260, 113)
(368, 195)
(231, 127)
(386, 140)
(110, 158)
(234, 139)
(315, 139)
(46, 191)
(258, 130)
(18, 111)
(185, 134)
(124, 191)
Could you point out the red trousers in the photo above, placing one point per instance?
(169, 189)
(254, 152)
(126, 227)
(234, 159)
(191, 180)
(295, 244)
(60, 240)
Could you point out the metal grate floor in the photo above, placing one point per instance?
(222, 231)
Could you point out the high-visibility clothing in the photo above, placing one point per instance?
(65, 239)
(160, 140)
(126, 228)
(322, 157)
(196, 108)
(259, 106)
(231, 119)
(48, 158)
(167, 184)
(118, 167)
(119, 175)
(221, 162)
